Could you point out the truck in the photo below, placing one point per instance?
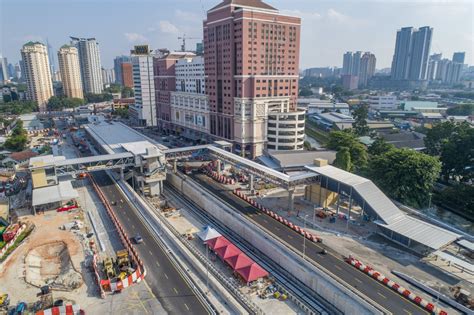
(109, 268)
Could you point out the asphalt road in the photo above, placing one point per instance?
(165, 281)
(333, 261)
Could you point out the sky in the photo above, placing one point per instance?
(329, 28)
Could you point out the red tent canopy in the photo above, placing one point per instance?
(228, 251)
(252, 272)
(217, 243)
(239, 261)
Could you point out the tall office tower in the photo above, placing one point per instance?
(127, 74)
(11, 71)
(347, 63)
(367, 68)
(4, 69)
(70, 69)
(108, 76)
(412, 49)
(199, 49)
(37, 73)
(251, 54)
(143, 111)
(89, 59)
(51, 57)
(433, 66)
(118, 61)
(458, 57)
(356, 63)
(18, 70)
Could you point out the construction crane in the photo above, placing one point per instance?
(184, 38)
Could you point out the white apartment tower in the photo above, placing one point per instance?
(89, 60)
(37, 73)
(143, 112)
(68, 58)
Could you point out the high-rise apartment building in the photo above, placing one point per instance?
(68, 59)
(433, 66)
(252, 67)
(118, 61)
(367, 68)
(347, 63)
(37, 73)
(108, 76)
(4, 69)
(458, 57)
(126, 71)
(355, 64)
(143, 112)
(412, 49)
(89, 59)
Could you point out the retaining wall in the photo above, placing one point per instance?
(335, 293)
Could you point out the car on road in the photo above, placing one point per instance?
(137, 239)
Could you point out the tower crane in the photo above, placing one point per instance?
(184, 38)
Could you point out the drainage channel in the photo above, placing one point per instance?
(311, 302)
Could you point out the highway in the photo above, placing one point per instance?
(333, 262)
(165, 280)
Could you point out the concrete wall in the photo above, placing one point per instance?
(336, 294)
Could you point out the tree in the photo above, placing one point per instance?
(127, 92)
(360, 124)
(18, 139)
(436, 136)
(98, 98)
(405, 175)
(56, 103)
(304, 92)
(457, 154)
(122, 112)
(18, 107)
(379, 146)
(461, 110)
(343, 159)
(113, 88)
(346, 139)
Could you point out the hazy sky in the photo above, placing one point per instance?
(329, 28)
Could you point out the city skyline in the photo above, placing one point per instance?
(328, 29)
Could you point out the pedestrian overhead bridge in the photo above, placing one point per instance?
(392, 222)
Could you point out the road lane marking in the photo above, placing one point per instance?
(133, 226)
(381, 295)
(409, 313)
(186, 305)
(289, 236)
(150, 252)
(277, 228)
(166, 276)
(176, 291)
(128, 219)
(157, 263)
(358, 280)
(337, 267)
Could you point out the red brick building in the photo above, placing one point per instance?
(127, 74)
(251, 62)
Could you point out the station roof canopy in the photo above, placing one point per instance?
(239, 261)
(217, 243)
(208, 234)
(252, 272)
(466, 244)
(51, 194)
(229, 251)
(422, 232)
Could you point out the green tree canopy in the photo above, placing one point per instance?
(122, 112)
(346, 139)
(56, 103)
(98, 98)
(127, 92)
(343, 159)
(461, 110)
(436, 136)
(457, 154)
(113, 88)
(360, 124)
(18, 107)
(405, 175)
(304, 92)
(379, 146)
(18, 139)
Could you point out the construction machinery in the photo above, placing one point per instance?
(463, 297)
(122, 260)
(4, 301)
(109, 268)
